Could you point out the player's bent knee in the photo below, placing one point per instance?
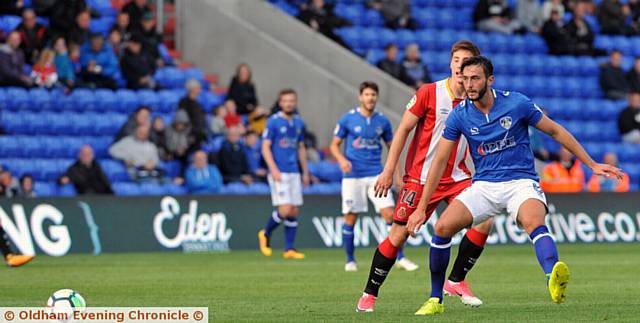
(442, 229)
(350, 218)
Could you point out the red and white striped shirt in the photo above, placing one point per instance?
(432, 104)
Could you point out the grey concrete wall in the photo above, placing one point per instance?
(219, 34)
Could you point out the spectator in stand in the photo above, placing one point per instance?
(311, 146)
(158, 137)
(194, 109)
(12, 63)
(556, 36)
(32, 35)
(242, 91)
(149, 38)
(122, 25)
(564, 175)
(114, 39)
(320, 17)
(136, 9)
(415, 73)
(550, 5)
(44, 72)
(99, 63)
(139, 154)
(634, 7)
(137, 66)
(495, 16)
(233, 158)
(86, 175)
(140, 117)
(201, 177)
(74, 56)
(613, 80)
(529, 14)
(79, 33)
(396, 13)
(389, 63)
(64, 14)
(254, 156)
(612, 16)
(11, 7)
(9, 187)
(66, 74)
(604, 184)
(26, 186)
(217, 126)
(633, 76)
(581, 34)
(179, 138)
(629, 120)
(231, 118)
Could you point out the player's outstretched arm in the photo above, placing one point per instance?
(268, 158)
(445, 147)
(385, 180)
(345, 164)
(566, 139)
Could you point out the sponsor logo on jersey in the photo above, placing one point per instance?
(474, 131)
(496, 146)
(505, 122)
(288, 142)
(364, 143)
(412, 102)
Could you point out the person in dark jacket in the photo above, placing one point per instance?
(555, 35)
(32, 35)
(415, 73)
(612, 16)
(11, 7)
(629, 120)
(79, 33)
(389, 63)
(242, 91)
(232, 159)
(581, 34)
(137, 67)
(12, 63)
(633, 76)
(613, 80)
(136, 10)
(86, 175)
(194, 109)
(150, 39)
(123, 25)
(320, 17)
(63, 15)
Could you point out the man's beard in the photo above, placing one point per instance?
(289, 113)
(481, 93)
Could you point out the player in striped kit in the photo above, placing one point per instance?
(427, 112)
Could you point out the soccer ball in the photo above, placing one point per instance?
(65, 301)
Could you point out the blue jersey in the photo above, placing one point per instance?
(499, 140)
(363, 146)
(285, 135)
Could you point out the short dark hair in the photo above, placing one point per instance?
(465, 45)
(484, 62)
(24, 177)
(368, 85)
(286, 92)
(389, 46)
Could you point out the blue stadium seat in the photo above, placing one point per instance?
(170, 77)
(127, 99)
(67, 190)
(126, 189)
(149, 98)
(45, 189)
(173, 189)
(106, 100)
(193, 73)
(236, 189)
(259, 188)
(370, 38)
(40, 99)
(169, 100)
(373, 18)
(9, 147)
(404, 37)
(17, 98)
(151, 189)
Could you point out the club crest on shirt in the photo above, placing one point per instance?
(412, 102)
(283, 129)
(379, 130)
(505, 122)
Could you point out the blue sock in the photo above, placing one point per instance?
(274, 221)
(347, 241)
(290, 228)
(546, 251)
(439, 254)
(401, 249)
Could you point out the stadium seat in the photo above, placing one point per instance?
(115, 170)
(44, 189)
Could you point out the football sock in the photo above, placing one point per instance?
(290, 229)
(469, 251)
(347, 240)
(401, 249)
(438, 260)
(4, 243)
(274, 221)
(546, 251)
(383, 260)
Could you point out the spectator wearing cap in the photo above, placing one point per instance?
(242, 90)
(604, 184)
(149, 38)
(99, 63)
(12, 63)
(194, 109)
(136, 9)
(79, 34)
(629, 120)
(32, 36)
(26, 186)
(613, 80)
(389, 63)
(139, 154)
(137, 66)
(201, 177)
(86, 175)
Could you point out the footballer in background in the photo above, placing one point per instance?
(363, 129)
(284, 152)
(12, 259)
(427, 112)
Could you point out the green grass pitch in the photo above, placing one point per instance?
(245, 286)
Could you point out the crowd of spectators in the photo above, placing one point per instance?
(67, 54)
